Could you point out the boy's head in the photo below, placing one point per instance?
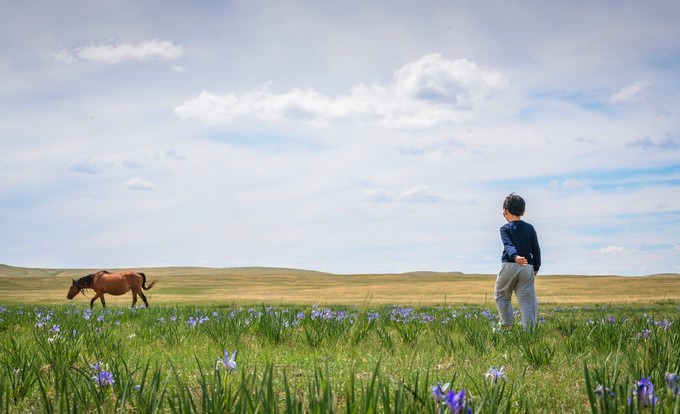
(514, 204)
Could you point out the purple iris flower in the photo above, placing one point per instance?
(644, 392)
(191, 321)
(455, 401)
(438, 391)
(666, 324)
(173, 318)
(227, 362)
(601, 392)
(495, 374)
(55, 329)
(673, 383)
(96, 367)
(100, 319)
(101, 377)
(612, 319)
(644, 334)
(300, 315)
(104, 379)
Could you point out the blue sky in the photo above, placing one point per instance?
(343, 137)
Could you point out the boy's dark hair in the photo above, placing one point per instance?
(514, 204)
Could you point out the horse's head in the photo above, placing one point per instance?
(73, 290)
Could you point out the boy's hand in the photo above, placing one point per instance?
(521, 260)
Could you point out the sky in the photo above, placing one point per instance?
(346, 137)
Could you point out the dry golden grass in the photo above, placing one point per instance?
(269, 285)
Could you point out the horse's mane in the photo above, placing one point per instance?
(85, 282)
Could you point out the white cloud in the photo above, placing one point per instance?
(575, 184)
(118, 52)
(430, 91)
(138, 184)
(631, 93)
(569, 184)
(615, 250)
(378, 195)
(64, 56)
(178, 68)
(669, 142)
(420, 194)
(417, 194)
(92, 167)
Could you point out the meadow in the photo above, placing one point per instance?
(324, 356)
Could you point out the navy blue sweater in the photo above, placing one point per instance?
(520, 239)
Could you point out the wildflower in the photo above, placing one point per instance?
(173, 318)
(611, 319)
(101, 377)
(644, 334)
(541, 320)
(227, 362)
(300, 315)
(100, 319)
(439, 390)
(96, 367)
(495, 374)
(104, 379)
(372, 316)
(203, 319)
(74, 332)
(644, 392)
(2, 309)
(191, 321)
(673, 383)
(456, 402)
(601, 392)
(215, 314)
(55, 329)
(161, 320)
(666, 324)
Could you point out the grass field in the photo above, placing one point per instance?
(289, 286)
(346, 354)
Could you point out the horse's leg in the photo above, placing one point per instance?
(134, 298)
(102, 299)
(93, 299)
(144, 298)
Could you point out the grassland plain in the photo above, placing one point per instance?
(192, 285)
(343, 355)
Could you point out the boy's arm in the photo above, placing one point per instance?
(510, 247)
(536, 251)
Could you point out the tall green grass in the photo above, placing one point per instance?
(329, 360)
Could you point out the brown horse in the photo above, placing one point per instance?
(113, 284)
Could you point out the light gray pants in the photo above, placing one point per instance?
(520, 279)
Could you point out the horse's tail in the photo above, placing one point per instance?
(144, 282)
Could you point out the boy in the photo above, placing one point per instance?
(521, 261)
